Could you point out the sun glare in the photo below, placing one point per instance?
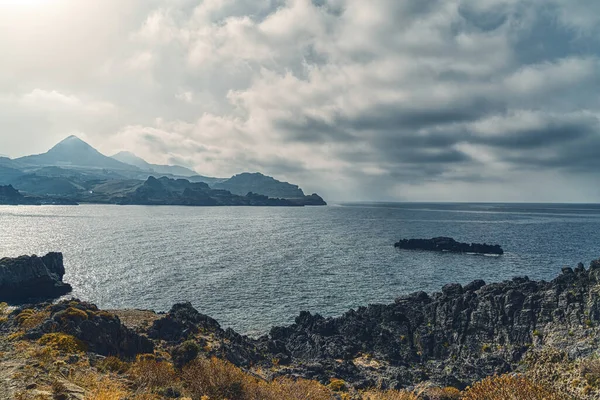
(24, 3)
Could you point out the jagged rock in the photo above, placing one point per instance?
(31, 277)
(101, 331)
(448, 244)
(180, 322)
(457, 336)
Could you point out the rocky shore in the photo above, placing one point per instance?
(453, 338)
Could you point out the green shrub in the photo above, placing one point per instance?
(184, 353)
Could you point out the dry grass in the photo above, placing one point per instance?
(63, 342)
(389, 395)
(30, 318)
(510, 387)
(218, 379)
(113, 364)
(149, 373)
(579, 379)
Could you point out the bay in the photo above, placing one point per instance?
(252, 268)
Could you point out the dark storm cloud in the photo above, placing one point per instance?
(350, 97)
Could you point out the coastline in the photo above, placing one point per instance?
(453, 338)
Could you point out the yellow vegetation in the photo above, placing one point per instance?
(113, 364)
(389, 395)
(63, 342)
(337, 385)
(71, 314)
(149, 373)
(218, 379)
(30, 318)
(510, 387)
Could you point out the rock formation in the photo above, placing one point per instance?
(11, 196)
(448, 244)
(32, 277)
(450, 338)
(102, 332)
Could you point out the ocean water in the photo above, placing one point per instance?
(252, 268)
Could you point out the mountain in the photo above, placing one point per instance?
(131, 159)
(181, 192)
(246, 182)
(73, 171)
(73, 152)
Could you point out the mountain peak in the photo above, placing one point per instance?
(74, 152)
(72, 142)
(124, 153)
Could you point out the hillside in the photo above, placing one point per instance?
(75, 153)
(131, 159)
(258, 183)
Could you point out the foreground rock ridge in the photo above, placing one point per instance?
(448, 244)
(31, 277)
(450, 338)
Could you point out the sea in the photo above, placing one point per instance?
(252, 268)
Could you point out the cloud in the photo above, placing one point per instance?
(387, 99)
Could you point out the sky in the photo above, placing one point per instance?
(409, 100)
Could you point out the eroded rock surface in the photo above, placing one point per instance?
(31, 277)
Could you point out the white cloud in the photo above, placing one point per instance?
(381, 99)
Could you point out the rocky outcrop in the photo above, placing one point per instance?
(448, 244)
(453, 337)
(101, 332)
(450, 338)
(31, 277)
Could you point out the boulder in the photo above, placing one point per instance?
(102, 332)
(26, 278)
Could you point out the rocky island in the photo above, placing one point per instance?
(524, 338)
(448, 244)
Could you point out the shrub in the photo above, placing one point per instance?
(113, 364)
(509, 387)
(71, 314)
(63, 342)
(184, 353)
(216, 379)
(590, 369)
(147, 372)
(447, 393)
(295, 389)
(337, 385)
(30, 318)
(390, 395)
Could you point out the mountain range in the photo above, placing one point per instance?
(73, 171)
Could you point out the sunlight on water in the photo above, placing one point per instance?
(252, 268)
